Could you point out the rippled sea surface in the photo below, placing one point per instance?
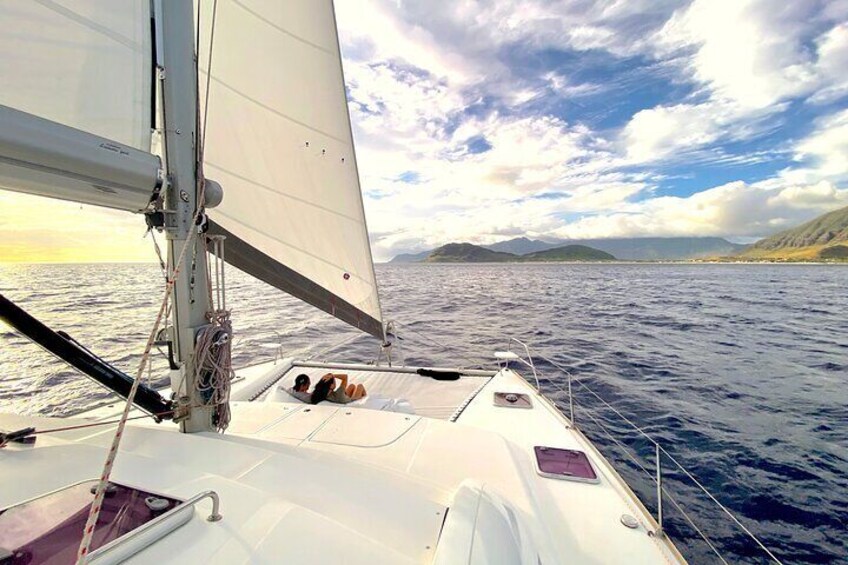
(739, 371)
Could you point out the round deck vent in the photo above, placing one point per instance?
(156, 504)
(629, 521)
(108, 491)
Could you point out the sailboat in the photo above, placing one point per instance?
(224, 124)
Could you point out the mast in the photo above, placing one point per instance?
(190, 298)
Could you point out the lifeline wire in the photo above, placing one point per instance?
(697, 483)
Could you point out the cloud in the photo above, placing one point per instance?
(823, 153)
(832, 49)
(746, 59)
(736, 210)
(446, 93)
(744, 51)
(396, 39)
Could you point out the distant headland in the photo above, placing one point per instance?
(823, 239)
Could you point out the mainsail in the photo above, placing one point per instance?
(76, 101)
(278, 139)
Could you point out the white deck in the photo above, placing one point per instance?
(339, 484)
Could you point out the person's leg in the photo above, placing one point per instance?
(350, 391)
(359, 392)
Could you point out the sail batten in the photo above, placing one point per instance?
(296, 249)
(283, 194)
(243, 6)
(275, 111)
(91, 24)
(84, 64)
(278, 140)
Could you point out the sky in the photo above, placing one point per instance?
(483, 121)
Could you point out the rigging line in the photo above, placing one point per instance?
(722, 506)
(95, 424)
(593, 393)
(158, 254)
(695, 526)
(330, 348)
(443, 346)
(205, 243)
(197, 35)
(208, 73)
(94, 511)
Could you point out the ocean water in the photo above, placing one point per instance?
(740, 371)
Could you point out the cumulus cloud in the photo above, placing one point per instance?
(745, 51)
(735, 209)
(746, 59)
(823, 153)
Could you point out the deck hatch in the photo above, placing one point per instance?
(568, 464)
(512, 400)
(48, 529)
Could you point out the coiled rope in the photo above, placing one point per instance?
(214, 369)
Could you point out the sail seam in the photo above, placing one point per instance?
(312, 255)
(281, 29)
(94, 26)
(284, 194)
(274, 110)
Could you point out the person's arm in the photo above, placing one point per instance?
(343, 378)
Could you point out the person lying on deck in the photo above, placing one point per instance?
(300, 390)
(326, 389)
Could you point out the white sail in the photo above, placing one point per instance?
(278, 140)
(76, 100)
(82, 63)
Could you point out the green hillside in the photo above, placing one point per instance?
(625, 249)
(467, 253)
(820, 238)
(569, 253)
(824, 230)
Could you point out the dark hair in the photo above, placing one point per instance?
(301, 380)
(321, 390)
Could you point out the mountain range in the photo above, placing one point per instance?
(469, 253)
(822, 238)
(626, 249)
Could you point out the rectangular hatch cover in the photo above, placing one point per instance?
(49, 529)
(568, 464)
